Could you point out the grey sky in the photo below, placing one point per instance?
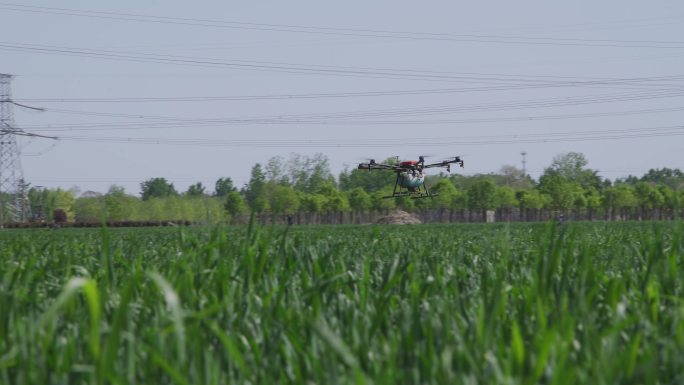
(427, 76)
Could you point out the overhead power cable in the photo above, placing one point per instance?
(370, 33)
(98, 126)
(336, 70)
(396, 112)
(24, 133)
(638, 83)
(571, 136)
(385, 73)
(246, 65)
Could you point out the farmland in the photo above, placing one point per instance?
(596, 303)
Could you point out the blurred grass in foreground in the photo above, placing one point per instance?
(597, 303)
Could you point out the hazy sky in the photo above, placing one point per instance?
(194, 91)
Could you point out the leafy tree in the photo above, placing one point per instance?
(648, 197)
(253, 192)
(336, 203)
(260, 204)
(571, 166)
(276, 170)
(234, 204)
(223, 186)
(335, 200)
(59, 199)
(460, 201)
(530, 199)
(174, 209)
(406, 203)
(359, 200)
(312, 203)
(308, 174)
(592, 198)
(119, 205)
(194, 209)
(579, 200)
(195, 190)
(513, 177)
(177, 208)
(157, 188)
(379, 200)
(674, 178)
(281, 199)
(427, 203)
(37, 198)
(504, 197)
(669, 195)
(89, 209)
(154, 209)
(446, 194)
(559, 188)
(462, 182)
(630, 180)
(208, 210)
(620, 198)
(481, 194)
(370, 181)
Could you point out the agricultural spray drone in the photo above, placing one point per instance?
(410, 180)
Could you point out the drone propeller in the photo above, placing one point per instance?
(366, 159)
(452, 158)
(425, 156)
(456, 159)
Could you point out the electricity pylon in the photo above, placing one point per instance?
(14, 205)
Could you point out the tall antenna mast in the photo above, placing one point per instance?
(524, 162)
(14, 205)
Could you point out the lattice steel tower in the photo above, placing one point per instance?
(14, 205)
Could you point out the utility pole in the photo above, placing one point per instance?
(13, 195)
(524, 162)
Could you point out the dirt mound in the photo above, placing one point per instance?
(398, 217)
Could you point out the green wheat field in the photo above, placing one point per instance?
(579, 303)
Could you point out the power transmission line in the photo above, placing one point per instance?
(318, 69)
(637, 83)
(371, 33)
(99, 126)
(571, 136)
(342, 117)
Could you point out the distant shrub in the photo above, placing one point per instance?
(59, 216)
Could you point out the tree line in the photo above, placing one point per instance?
(305, 185)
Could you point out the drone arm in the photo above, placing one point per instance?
(445, 163)
(375, 166)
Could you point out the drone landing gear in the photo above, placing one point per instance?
(413, 193)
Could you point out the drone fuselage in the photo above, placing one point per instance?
(411, 180)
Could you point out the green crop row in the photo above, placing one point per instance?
(597, 303)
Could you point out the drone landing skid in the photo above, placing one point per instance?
(412, 195)
(417, 193)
